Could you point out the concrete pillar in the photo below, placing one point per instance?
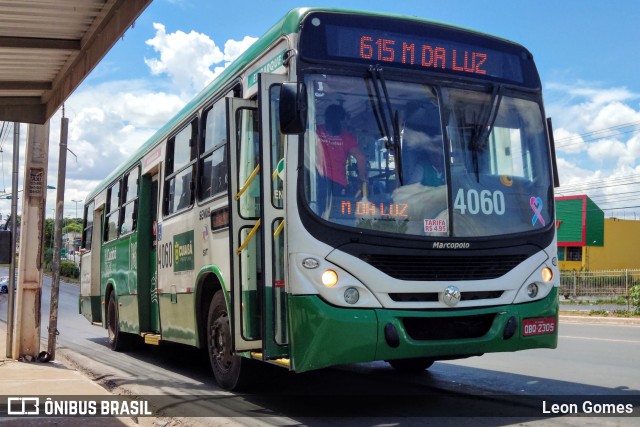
(26, 337)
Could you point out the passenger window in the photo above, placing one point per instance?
(130, 202)
(113, 212)
(179, 170)
(213, 161)
(87, 230)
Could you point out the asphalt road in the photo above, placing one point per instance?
(592, 361)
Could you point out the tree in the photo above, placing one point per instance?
(73, 227)
(49, 224)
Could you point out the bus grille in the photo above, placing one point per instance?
(432, 268)
(433, 296)
(448, 328)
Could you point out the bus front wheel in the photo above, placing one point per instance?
(229, 369)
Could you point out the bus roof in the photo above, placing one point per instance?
(289, 24)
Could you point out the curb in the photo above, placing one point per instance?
(627, 321)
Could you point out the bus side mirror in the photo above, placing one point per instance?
(293, 108)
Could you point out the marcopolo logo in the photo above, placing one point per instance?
(183, 251)
(451, 245)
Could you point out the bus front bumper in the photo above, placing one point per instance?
(324, 335)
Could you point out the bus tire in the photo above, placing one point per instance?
(230, 370)
(414, 365)
(118, 340)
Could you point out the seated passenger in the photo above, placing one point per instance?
(422, 146)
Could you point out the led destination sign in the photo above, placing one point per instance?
(415, 45)
(421, 52)
(392, 50)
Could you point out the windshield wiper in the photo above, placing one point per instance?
(392, 140)
(484, 128)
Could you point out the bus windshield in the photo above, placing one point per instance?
(415, 159)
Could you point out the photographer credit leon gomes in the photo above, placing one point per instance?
(589, 407)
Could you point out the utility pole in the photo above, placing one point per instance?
(57, 241)
(76, 202)
(14, 230)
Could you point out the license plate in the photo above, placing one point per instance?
(539, 326)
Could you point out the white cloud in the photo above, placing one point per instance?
(585, 107)
(613, 114)
(568, 142)
(107, 123)
(571, 174)
(234, 48)
(595, 155)
(606, 149)
(187, 58)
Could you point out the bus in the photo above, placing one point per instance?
(355, 187)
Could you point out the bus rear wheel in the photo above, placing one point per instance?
(229, 369)
(414, 365)
(118, 340)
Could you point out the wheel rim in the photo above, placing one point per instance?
(220, 343)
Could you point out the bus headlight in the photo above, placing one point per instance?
(547, 274)
(329, 278)
(351, 295)
(532, 290)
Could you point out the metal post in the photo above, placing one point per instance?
(14, 236)
(57, 241)
(626, 288)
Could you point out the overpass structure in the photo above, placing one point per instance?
(47, 48)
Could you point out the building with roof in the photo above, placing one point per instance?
(589, 241)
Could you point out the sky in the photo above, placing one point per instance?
(587, 53)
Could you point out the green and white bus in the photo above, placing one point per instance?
(354, 187)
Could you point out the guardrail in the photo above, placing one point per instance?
(609, 288)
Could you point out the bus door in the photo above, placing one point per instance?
(257, 222)
(149, 231)
(275, 337)
(90, 297)
(154, 312)
(246, 225)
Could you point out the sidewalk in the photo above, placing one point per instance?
(50, 379)
(582, 317)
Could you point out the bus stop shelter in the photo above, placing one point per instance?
(47, 48)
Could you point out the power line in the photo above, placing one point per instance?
(589, 187)
(620, 180)
(595, 139)
(599, 131)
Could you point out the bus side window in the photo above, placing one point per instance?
(87, 229)
(213, 160)
(130, 201)
(113, 212)
(180, 165)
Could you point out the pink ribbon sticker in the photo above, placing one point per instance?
(536, 206)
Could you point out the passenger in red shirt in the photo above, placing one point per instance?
(334, 148)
